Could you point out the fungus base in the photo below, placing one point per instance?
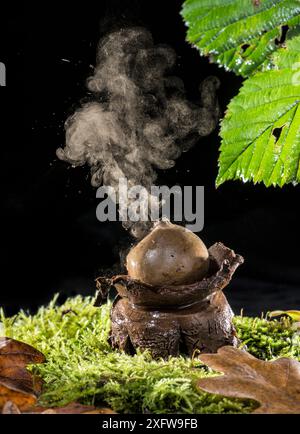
(175, 319)
(205, 326)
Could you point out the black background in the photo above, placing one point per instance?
(50, 238)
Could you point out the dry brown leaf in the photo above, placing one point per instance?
(103, 410)
(18, 385)
(76, 408)
(72, 408)
(275, 385)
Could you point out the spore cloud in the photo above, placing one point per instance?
(139, 119)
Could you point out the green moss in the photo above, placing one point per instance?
(269, 339)
(81, 365)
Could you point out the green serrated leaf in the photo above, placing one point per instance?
(261, 130)
(239, 34)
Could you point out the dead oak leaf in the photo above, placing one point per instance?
(71, 408)
(103, 410)
(77, 408)
(275, 384)
(17, 384)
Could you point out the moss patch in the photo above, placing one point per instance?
(81, 366)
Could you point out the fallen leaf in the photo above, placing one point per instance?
(72, 408)
(274, 385)
(76, 408)
(293, 314)
(103, 410)
(18, 385)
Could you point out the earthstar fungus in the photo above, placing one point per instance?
(173, 317)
